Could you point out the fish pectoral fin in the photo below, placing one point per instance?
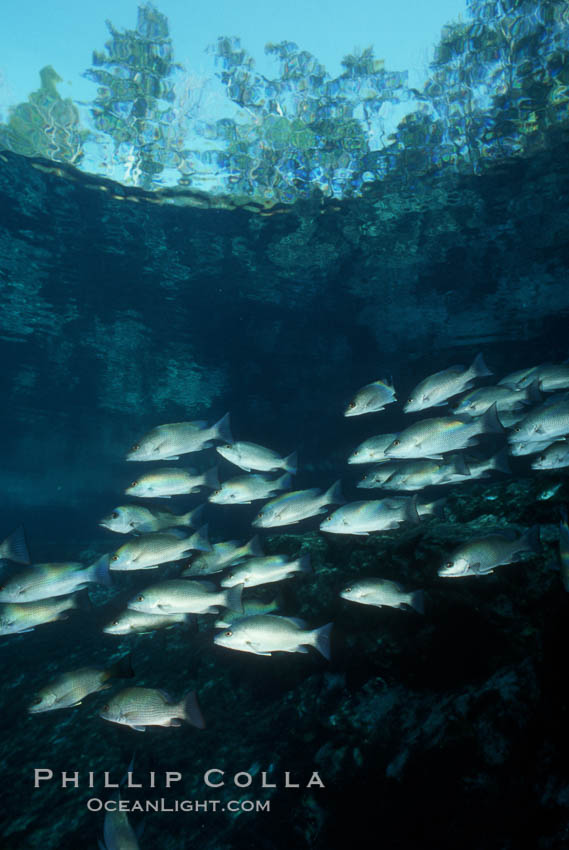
(139, 728)
(174, 721)
(256, 651)
(302, 649)
(170, 457)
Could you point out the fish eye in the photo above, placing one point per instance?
(517, 428)
(449, 563)
(2, 586)
(140, 598)
(135, 447)
(228, 634)
(115, 623)
(114, 558)
(351, 405)
(36, 700)
(115, 515)
(409, 400)
(348, 590)
(105, 707)
(396, 442)
(261, 513)
(134, 484)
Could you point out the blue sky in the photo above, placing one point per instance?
(63, 33)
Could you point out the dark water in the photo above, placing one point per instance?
(118, 314)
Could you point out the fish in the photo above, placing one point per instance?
(250, 606)
(171, 481)
(418, 474)
(550, 492)
(477, 401)
(249, 456)
(297, 505)
(545, 422)
(222, 555)
(142, 707)
(118, 834)
(438, 388)
(44, 581)
(564, 548)
(168, 442)
(529, 447)
(377, 515)
(371, 399)
(265, 570)
(549, 377)
(184, 596)
(484, 467)
(381, 592)
(17, 617)
(372, 450)
(431, 438)
(244, 489)
(14, 548)
(138, 622)
(519, 379)
(482, 555)
(378, 475)
(263, 634)
(148, 551)
(138, 519)
(554, 456)
(68, 690)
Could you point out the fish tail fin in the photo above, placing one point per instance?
(437, 508)
(533, 393)
(304, 565)
(490, 422)
(284, 482)
(411, 512)
(191, 711)
(233, 599)
(254, 547)
(121, 669)
(291, 463)
(333, 495)
(200, 540)
(479, 368)
(14, 547)
(193, 517)
(222, 430)
(531, 539)
(321, 638)
(460, 465)
(211, 478)
(500, 462)
(79, 601)
(417, 601)
(99, 571)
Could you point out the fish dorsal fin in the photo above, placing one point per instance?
(296, 621)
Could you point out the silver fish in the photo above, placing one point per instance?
(549, 376)
(371, 399)
(297, 505)
(18, 617)
(127, 519)
(183, 596)
(265, 570)
(70, 689)
(546, 422)
(244, 489)
(381, 592)
(377, 515)
(250, 607)
(483, 554)
(142, 707)
(222, 555)
(550, 492)
(168, 442)
(170, 481)
(44, 581)
(138, 622)
(378, 475)
(263, 634)
(14, 548)
(477, 402)
(520, 379)
(148, 551)
(249, 456)
(529, 447)
(418, 474)
(555, 456)
(484, 467)
(118, 834)
(372, 450)
(437, 388)
(431, 438)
